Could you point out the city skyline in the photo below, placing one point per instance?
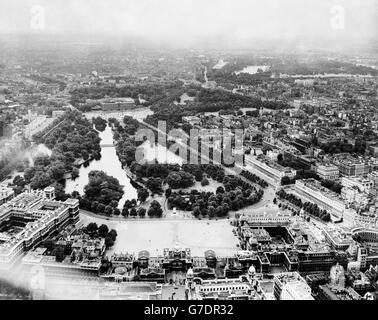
(189, 150)
(189, 22)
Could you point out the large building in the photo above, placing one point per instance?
(265, 219)
(352, 166)
(330, 292)
(312, 190)
(108, 104)
(373, 176)
(88, 267)
(363, 184)
(6, 193)
(327, 171)
(354, 198)
(291, 286)
(270, 169)
(131, 291)
(338, 239)
(229, 289)
(30, 218)
(177, 258)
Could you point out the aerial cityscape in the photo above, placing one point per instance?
(146, 166)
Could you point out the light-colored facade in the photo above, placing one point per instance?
(291, 286)
(354, 198)
(261, 219)
(363, 184)
(312, 190)
(6, 193)
(41, 216)
(355, 167)
(228, 289)
(327, 171)
(373, 176)
(270, 169)
(338, 239)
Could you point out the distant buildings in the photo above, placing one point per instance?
(363, 184)
(353, 166)
(111, 104)
(327, 171)
(329, 292)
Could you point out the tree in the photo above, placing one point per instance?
(180, 179)
(219, 211)
(74, 173)
(103, 230)
(116, 212)
(91, 228)
(204, 182)
(19, 181)
(211, 212)
(125, 212)
(220, 190)
(85, 204)
(41, 180)
(113, 234)
(142, 212)
(109, 242)
(109, 210)
(168, 192)
(76, 195)
(133, 212)
(94, 206)
(57, 170)
(103, 188)
(155, 209)
(59, 253)
(143, 194)
(154, 184)
(114, 204)
(196, 211)
(101, 208)
(285, 180)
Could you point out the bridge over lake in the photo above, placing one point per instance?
(107, 145)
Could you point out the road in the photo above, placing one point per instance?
(85, 213)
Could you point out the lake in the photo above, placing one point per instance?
(110, 164)
(253, 69)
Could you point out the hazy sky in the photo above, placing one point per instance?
(190, 19)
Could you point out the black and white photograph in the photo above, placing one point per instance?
(201, 151)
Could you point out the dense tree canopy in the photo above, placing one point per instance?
(102, 188)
